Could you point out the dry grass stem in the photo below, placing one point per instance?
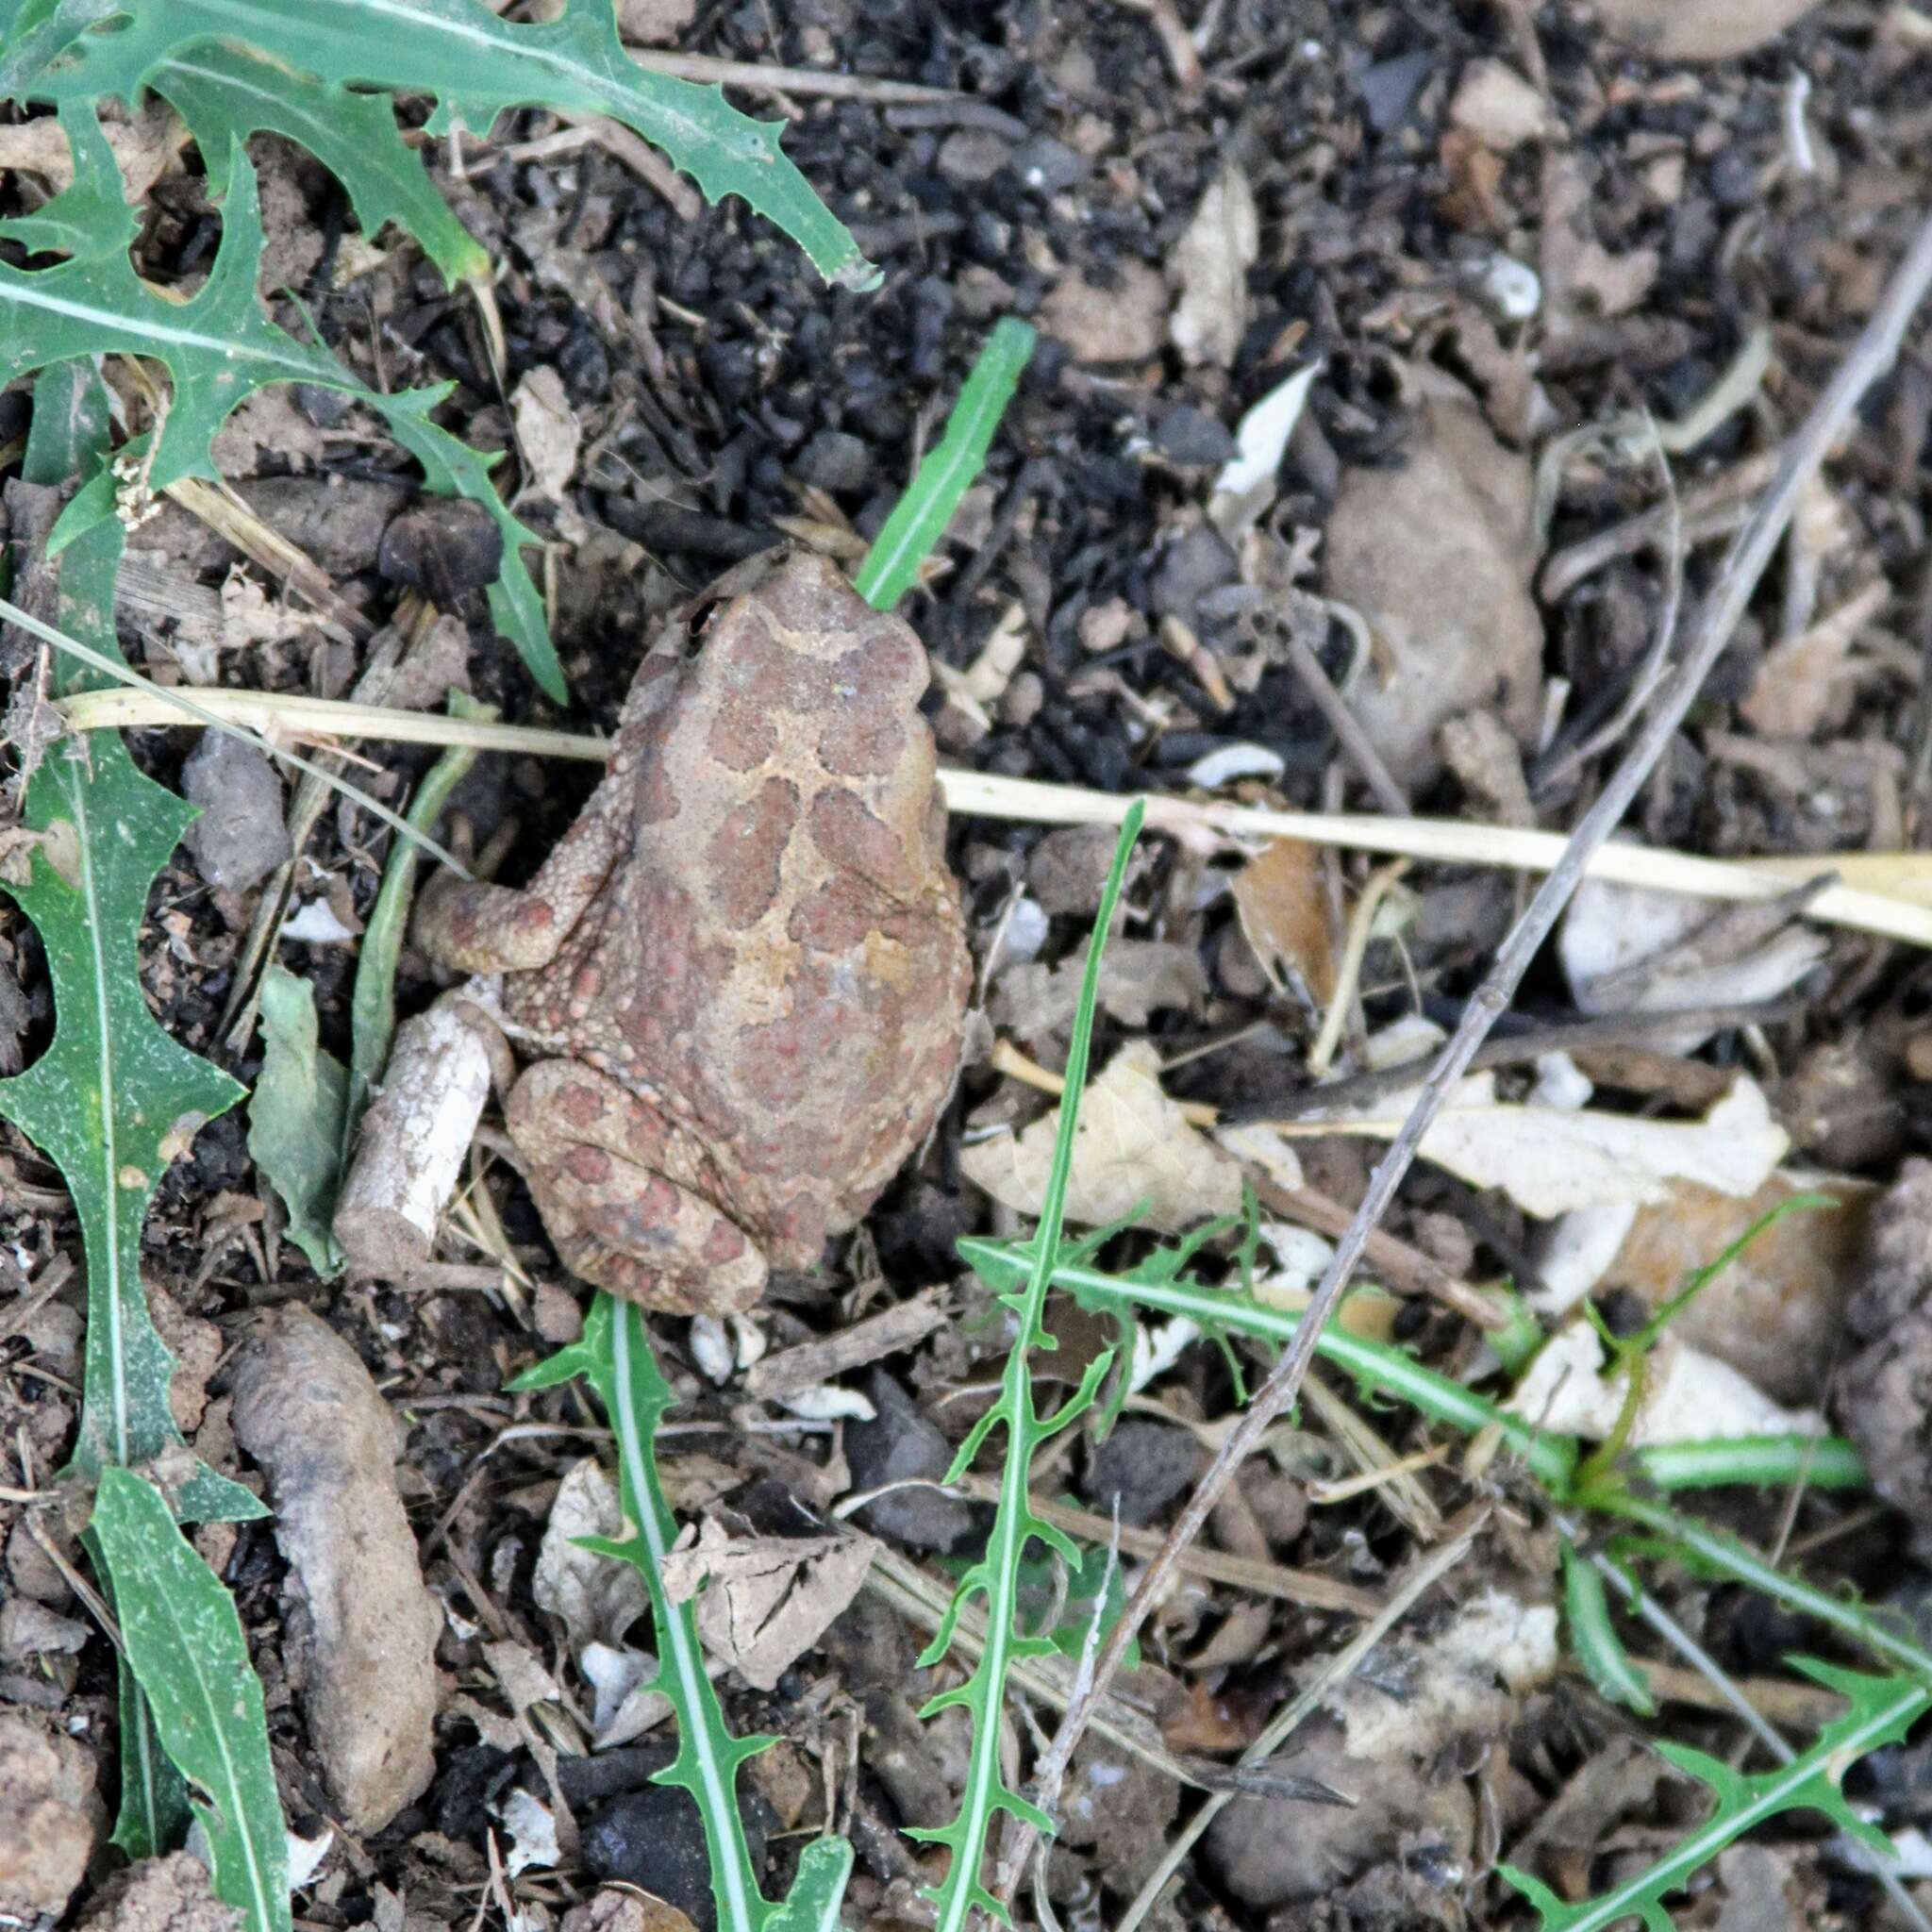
(1886, 893)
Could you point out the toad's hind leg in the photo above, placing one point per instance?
(614, 1181)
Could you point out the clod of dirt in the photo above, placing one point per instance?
(1464, 1685)
(902, 1442)
(612, 1910)
(1119, 1810)
(1124, 322)
(363, 1628)
(46, 1823)
(1279, 1851)
(444, 548)
(1844, 1103)
(835, 460)
(240, 837)
(1142, 1467)
(1887, 1402)
(652, 1838)
(169, 1894)
(1437, 556)
(657, 24)
(1698, 29)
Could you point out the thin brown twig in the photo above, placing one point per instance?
(1363, 1091)
(1310, 1587)
(1745, 563)
(789, 80)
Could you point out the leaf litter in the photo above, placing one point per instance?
(1824, 708)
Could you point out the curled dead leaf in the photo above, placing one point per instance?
(766, 1599)
(1553, 1161)
(1133, 1149)
(1283, 909)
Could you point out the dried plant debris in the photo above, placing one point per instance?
(1378, 1750)
(364, 1628)
(1388, 376)
(1436, 553)
(1887, 1382)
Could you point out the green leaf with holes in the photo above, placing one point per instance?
(458, 51)
(114, 1098)
(220, 348)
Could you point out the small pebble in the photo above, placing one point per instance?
(1145, 1465)
(1388, 89)
(834, 459)
(973, 155)
(1047, 166)
(240, 837)
(655, 1839)
(903, 1441)
(1188, 435)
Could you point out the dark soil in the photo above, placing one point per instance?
(724, 394)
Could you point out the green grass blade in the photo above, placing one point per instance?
(114, 1098)
(919, 518)
(1595, 1639)
(999, 1576)
(615, 1358)
(473, 64)
(372, 1004)
(185, 1645)
(1388, 1371)
(153, 1814)
(1775, 1462)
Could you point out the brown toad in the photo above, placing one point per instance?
(747, 956)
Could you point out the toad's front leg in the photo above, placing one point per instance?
(618, 1186)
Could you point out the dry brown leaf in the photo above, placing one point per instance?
(1625, 947)
(1800, 686)
(1283, 906)
(548, 432)
(596, 1600)
(1436, 555)
(1210, 268)
(1688, 1397)
(1777, 1313)
(1034, 1002)
(1133, 1149)
(767, 1599)
(1698, 29)
(144, 148)
(1553, 1161)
